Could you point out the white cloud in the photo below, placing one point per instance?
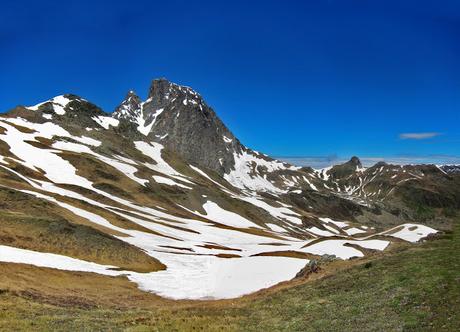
(418, 135)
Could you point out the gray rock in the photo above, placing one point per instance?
(183, 123)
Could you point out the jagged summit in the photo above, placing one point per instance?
(173, 115)
(177, 117)
(129, 108)
(162, 94)
(355, 161)
(346, 169)
(161, 88)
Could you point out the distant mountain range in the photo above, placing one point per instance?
(161, 191)
(326, 161)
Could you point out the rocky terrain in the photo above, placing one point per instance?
(162, 193)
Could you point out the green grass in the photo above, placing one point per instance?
(412, 289)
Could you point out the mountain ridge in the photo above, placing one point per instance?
(166, 176)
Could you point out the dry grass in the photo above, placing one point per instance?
(22, 129)
(61, 237)
(217, 247)
(289, 253)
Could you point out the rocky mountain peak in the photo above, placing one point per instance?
(159, 88)
(130, 107)
(163, 93)
(355, 162)
(62, 106)
(452, 169)
(185, 124)
(346, 169)
(177, 117)
(162, 88)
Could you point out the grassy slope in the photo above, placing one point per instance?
(78, 241)
(416, 288)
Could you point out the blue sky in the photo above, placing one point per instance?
(290, 78)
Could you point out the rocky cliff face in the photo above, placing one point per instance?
(178, 118)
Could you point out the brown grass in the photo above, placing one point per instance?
(5, 150)
(38, 144)
(61, 237)
(273, 244)
(227, 256)
(177, 248)
(218, 247)
(289, 253)
(22, 129)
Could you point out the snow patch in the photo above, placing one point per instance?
(275, 228)
(413, 232)
(215, 213)
(106, 121)
(23, 256)
(169, 182)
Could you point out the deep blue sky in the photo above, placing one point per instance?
(290, 78)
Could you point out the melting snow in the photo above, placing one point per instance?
(56, 169)
(17, 255)
(215, 213)
(208, 277)
(336, 247)
(142, 127)
(321, 232)
(169, 182)
(246, 164)
(124, 168)
(275, 228)
(281, 213)
(58, 102)
(196, 277)
(419, 232)
(353, 231)
(106, 121)
(153, 150)
(337, 223)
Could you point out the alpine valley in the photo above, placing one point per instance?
(159, 201)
